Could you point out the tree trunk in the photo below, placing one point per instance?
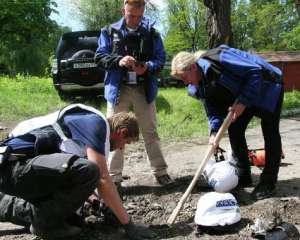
(297, 3)
(218, 22)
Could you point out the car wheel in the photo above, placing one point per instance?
(65, 96)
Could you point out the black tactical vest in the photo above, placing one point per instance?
(139, 44)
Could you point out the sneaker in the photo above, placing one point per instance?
(262, 191)
(245, 181)
(164, 180)
(63, 231)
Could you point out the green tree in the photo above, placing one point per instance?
(242, 24)
(95, 14)
(292, 39)
(186, 20)
(297, 4)
(25, 29)
(262, 25)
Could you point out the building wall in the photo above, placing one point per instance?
(291, 74)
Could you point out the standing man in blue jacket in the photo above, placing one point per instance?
(221, 75)
(132, 53)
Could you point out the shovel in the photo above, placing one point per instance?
(199, 171)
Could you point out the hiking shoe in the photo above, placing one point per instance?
(164, 180)
(262, 191)
(63, 231)
(245, 181)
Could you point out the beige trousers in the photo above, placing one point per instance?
(134, 97)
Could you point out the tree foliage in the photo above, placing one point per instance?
(186, 20)
(256, 24)
(263, 25)
(292, 39)
(26, 35)
(95, 14)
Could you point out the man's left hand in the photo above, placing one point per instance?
(140, 69)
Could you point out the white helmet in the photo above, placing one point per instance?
(221, 176)
(217, 209)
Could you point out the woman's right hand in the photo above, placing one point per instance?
(212, 141)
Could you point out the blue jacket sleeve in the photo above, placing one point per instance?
(244, 68)
(103, 57)
(214, 119)
(159, 55)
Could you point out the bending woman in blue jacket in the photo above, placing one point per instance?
(223, 74)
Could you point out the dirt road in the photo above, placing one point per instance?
(149, 203)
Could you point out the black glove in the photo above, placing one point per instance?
(138, 231)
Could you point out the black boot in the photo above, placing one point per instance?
(263, 190)
(245, 181)
(64, 230)
(45, 226)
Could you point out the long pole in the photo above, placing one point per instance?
(199, 171)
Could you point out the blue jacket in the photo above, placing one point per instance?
(108, 60)
(243, 75)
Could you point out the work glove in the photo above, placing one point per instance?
(136, 231)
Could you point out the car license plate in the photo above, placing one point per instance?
(84, 65)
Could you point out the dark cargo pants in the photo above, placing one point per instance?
(270, 129)
(49, 186)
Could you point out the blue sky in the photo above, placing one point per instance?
(67, 17)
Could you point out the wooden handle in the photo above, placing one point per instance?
(199, 171)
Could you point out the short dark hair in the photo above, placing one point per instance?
(136, 3)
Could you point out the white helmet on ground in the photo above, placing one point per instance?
(217, 209)
(221, 176)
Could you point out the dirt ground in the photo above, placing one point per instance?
(152, 204)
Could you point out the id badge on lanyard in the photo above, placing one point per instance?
(131, 77)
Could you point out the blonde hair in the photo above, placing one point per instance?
(183, 61)
(125, 120)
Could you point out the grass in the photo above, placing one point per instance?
(24, 97)
(179, 116)
(291, 100)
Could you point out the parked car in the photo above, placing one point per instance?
(3, 69)
(74, 71)
(166, 80)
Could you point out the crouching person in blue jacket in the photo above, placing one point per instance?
(50, 165)
(220, 76)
